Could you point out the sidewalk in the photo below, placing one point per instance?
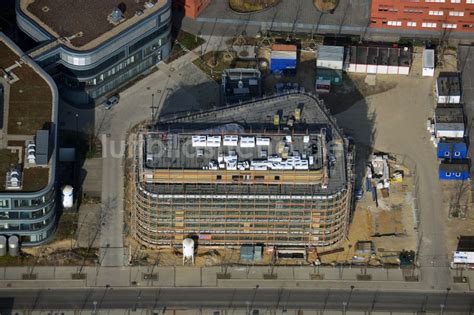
(240, 276)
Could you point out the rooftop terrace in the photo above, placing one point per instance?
(27, 107)
(244, 144)
(85, 23)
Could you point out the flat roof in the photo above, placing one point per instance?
(85, 23)
(241, 145)
(448, 84)
(449, 115)
(331, 53)
(428, 58)
(27, 107)
(380, 55)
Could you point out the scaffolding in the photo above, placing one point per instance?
(225, 208)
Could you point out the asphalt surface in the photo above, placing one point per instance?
(351, 17)
(255, 298)
(466, 67)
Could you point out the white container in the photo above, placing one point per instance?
(67, 196)
(188, 250)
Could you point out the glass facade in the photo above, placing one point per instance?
(32, 219)
(90, 76)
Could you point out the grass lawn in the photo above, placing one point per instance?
(181, 42)
(246, 6)
(207, 64)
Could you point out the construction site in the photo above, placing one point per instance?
(275, 173)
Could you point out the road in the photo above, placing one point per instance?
(351, 17)
(254, 298)
(176, 87)
(394, 121)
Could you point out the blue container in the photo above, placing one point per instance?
(452, 150)
(454, 171)
(279, 64)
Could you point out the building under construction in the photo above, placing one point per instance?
(273, 172)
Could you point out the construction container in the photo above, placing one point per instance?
(246, 252)
(452, 150)
(13, 245)
(283, 57)
(428, 62)
(330, 57)
(3, 245)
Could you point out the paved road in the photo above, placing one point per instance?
(466, 66)
(256, 298)
(351, 18)
(382, 121)
(180, 87)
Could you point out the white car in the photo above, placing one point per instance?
(112, 101)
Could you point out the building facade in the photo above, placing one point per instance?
(190, 8)
(435, 15)
(28, 190)
(89, 66)
(236, 176)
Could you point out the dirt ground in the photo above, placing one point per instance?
(458, 212)
(391, 226)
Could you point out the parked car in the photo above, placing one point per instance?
(359, 194)
(112, 101)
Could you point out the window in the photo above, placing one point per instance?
(447, 25)
(470, 1)
(455, 1)
(438, 1)
(394, 23)
(411, 24)
(435, 12)
(413, 11)
(427, 24)
(456, 13)
(4, 203)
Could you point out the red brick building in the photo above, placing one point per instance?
(191, 8)
(452, 15)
